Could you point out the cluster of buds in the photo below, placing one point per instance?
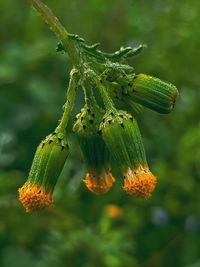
(106, 129)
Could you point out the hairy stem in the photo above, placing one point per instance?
(58, 29)
(109, 105)
(71, 92)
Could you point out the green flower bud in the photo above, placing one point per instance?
(123, 100)
(98, 176)
(47, 165)
(151, 92)
(122, 137)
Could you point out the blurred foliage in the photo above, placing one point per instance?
(82, 229)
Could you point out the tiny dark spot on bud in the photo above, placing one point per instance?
(81, 118)
(88, 110)
(133, 91)
(103, 119)
(122, 125)
(135, 77)
(84, 127)
(93, 115)
(109, 121)
(129, 84)
(131, 118)
(91, 121)
(62, 148)
(121, 115)
(174, 102)
(50, 141)
(99, 132)
(111, 113)
(42, 145)
(101, 81)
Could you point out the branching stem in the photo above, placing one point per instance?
(71, 92)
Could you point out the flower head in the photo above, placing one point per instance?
(47, 165)
(139, 182)
(99, 183)
(33, 197)
(95, 153)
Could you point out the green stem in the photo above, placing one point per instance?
(71, 93)
(108, 103)
(58, 29)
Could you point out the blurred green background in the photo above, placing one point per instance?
(113, 230)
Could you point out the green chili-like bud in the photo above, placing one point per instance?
(152, 92)
(123, 100)
(96, 156)
(122, 137)
(47, 165)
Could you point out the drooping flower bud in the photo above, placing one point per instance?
(47, 165)
(151, 92)
(96, 156)
(122, 137)
(123, 100)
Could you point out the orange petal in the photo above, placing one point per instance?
(139, 182)
(99, 183)
(33, 197)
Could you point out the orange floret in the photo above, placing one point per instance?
(139, 182)
(113, 211)
(99, 183)
(33, 197)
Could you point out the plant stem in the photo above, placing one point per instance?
(58, 29)
(71, 92)
(109, 105)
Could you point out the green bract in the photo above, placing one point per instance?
(48, 162)
(95, 153)
(47, 165)
(122, 136)
(94, 150)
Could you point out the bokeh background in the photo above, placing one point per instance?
(113, 230)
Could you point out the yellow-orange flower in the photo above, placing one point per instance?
(139, 182)
(113, 211)
(34, 198)
(99, 183)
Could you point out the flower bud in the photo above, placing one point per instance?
(123, 100)
(122, 137)
(47, 165)
(152, 92)
(96, 156)
(139, 181)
